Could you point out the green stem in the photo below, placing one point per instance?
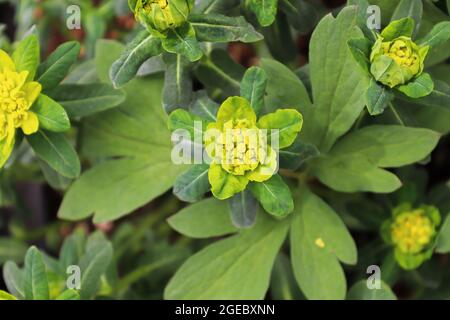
(397, 116)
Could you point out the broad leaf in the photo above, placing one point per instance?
(56, 151)
(192, 185)
(143, 47)
(35, 282)
(253, 87)
(437, 36)
(274, 195)
(420, 87)
(204, 219)
(177, 83)
(238, 267)
(337, 85)
(136, 143)
(53, 70)
(220, 28)
(360, 291)
(243, 209)
(377, 97)
(51, 114)
(319, 240)
(81, 100)
(183, 41)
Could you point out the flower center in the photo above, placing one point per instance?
(242, 147)
(403, 55)
(412, 231)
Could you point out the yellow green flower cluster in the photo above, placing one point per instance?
(161, 15)
(412, 232)
(17, 95)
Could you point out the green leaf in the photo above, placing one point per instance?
(319, 240)
(214, 6)
(399, 28)
(26, 57)
(219, 71)
(360, 49)
(438, 98)
(302, 15)
(437, 36)
(204, 107)
(360, 291)
(238, 267)
(378, 97)
(284, 89)
(35, 282)
(56, 151)
(224, 184)
(6, 296)
(184, 120)
(81, 100)
(443, 238)
(192, 185)
(243, 209)
(183, 41)
(388, 146)
(136, 144)
(143, 47)
(54, 178)
(355, 163)
(72, 248)
(297, 154)
(220, 28)
(253, 87)
(14, 279)
(288, 122)
(69, 294)
(274, 195)
(12, 249)
(53, 70)
(409, 8)
(419, 87)
(283, 285)
(93, 265)
(338, 86)
(265, 10)
(204, 219)
(177, 83)
(51, 114)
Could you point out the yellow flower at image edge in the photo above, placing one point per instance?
(239, 148)
(412, 233)
(162, 15)
(17, 95)
(396, 62)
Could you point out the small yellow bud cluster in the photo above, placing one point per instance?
(403, 54)
(412, 231)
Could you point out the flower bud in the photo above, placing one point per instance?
(161, 15)
(396, 62)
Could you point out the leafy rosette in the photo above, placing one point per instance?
(395, 61)
(240, 153)
(412, 233)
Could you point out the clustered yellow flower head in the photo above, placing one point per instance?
(412, 232)
(398, 61)
(17, 95)
(161, 15)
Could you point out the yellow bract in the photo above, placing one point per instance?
(16, 98)
(412, 231)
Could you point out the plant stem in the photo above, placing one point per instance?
(397, 116)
